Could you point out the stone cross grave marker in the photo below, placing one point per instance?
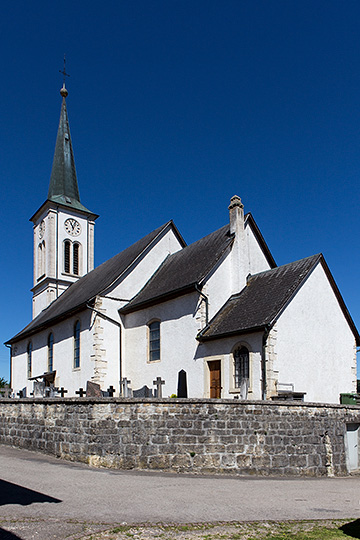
(62, 391)
(81, 392)
(126, 390)
(159, 382)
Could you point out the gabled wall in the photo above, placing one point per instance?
(147, 264)
(257, 261)
(314, 347)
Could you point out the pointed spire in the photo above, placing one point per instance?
(63, 181)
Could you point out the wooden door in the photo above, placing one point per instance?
(215, 379)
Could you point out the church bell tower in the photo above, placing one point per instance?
(63, 227)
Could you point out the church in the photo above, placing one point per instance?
(214, 319)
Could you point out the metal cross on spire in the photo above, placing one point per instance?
(64, 71)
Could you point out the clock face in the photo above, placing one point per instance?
(72, 227)
(41, 229)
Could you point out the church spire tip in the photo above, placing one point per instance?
(63, 92)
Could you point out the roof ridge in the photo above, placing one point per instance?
(317, 256)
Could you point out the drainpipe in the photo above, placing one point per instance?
(10, 348)
(263, 362)
(119, 326)
(206, 304)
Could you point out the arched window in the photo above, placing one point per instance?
(241, 366)
(77, 344)
(67, 256)
(50, 352)
(29, 359)
(76, 259)
(41, 259)
(154, 341)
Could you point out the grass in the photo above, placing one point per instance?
(260, 530)
(267, 530)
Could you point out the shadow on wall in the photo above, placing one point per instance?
(351, 529)
(15, 494)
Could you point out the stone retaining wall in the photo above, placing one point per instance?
(192, 435)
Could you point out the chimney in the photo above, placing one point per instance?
(239, 255)
(236, 209)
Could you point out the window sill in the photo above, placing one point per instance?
(69, 274)
(237, 391)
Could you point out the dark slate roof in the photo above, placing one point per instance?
(81, 292)
(259, 304)
(183, 270)
(63, 188)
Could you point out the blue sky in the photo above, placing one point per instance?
(174, 107)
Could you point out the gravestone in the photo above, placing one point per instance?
(126, 390)
(143, 392)
(158, 382)
(39, 389)
(5, 392)
(111, 391)
(93, 389)
(51, 391)
(182, 385)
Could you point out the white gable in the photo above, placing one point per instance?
(315, 342)
(145, 266)
(257, 262)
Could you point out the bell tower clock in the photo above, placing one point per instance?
(63, 227)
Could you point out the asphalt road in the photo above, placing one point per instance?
(37, 486)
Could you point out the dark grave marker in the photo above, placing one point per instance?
(111, 391)
(93, 389)
(182, 385)
(145, 391)
(81, 392)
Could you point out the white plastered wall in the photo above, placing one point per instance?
(99, 338)
(257, 261)
(222, 349)
(63, 355)
(315, 348)
(178, 329)
(218, 285)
